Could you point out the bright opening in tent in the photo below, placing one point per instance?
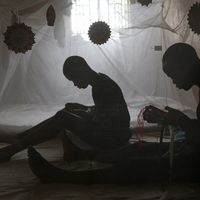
(116, 13)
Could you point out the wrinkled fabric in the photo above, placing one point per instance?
(132, 56)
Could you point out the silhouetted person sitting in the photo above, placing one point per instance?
(182, 65)
(180, 62)
(103, 126)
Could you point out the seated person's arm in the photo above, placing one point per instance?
(80, 110)
(153, 114)
(77, 106)
(174, 117)
(190, 126)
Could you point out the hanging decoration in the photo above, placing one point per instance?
(99, 32)
(51, 16)
(19, 38)
(194, 18)
(145, 2)
(139, 132)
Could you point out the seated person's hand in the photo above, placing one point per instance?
(153, 114)
(176, 117)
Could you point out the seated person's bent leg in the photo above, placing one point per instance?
(47, 131)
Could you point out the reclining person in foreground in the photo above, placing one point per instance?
(181, 64)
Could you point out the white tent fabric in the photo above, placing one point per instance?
(32, 86)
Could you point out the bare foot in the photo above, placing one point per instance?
(41, 168)
(48, 173)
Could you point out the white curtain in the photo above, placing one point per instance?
(132, 57)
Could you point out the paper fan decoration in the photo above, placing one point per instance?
(99, 32)
(194, 18)
(145, 2)
(51, 16)
(19, 38)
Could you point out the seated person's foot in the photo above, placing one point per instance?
(48, 173)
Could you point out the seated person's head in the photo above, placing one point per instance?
(182, 65)
(77, 70)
